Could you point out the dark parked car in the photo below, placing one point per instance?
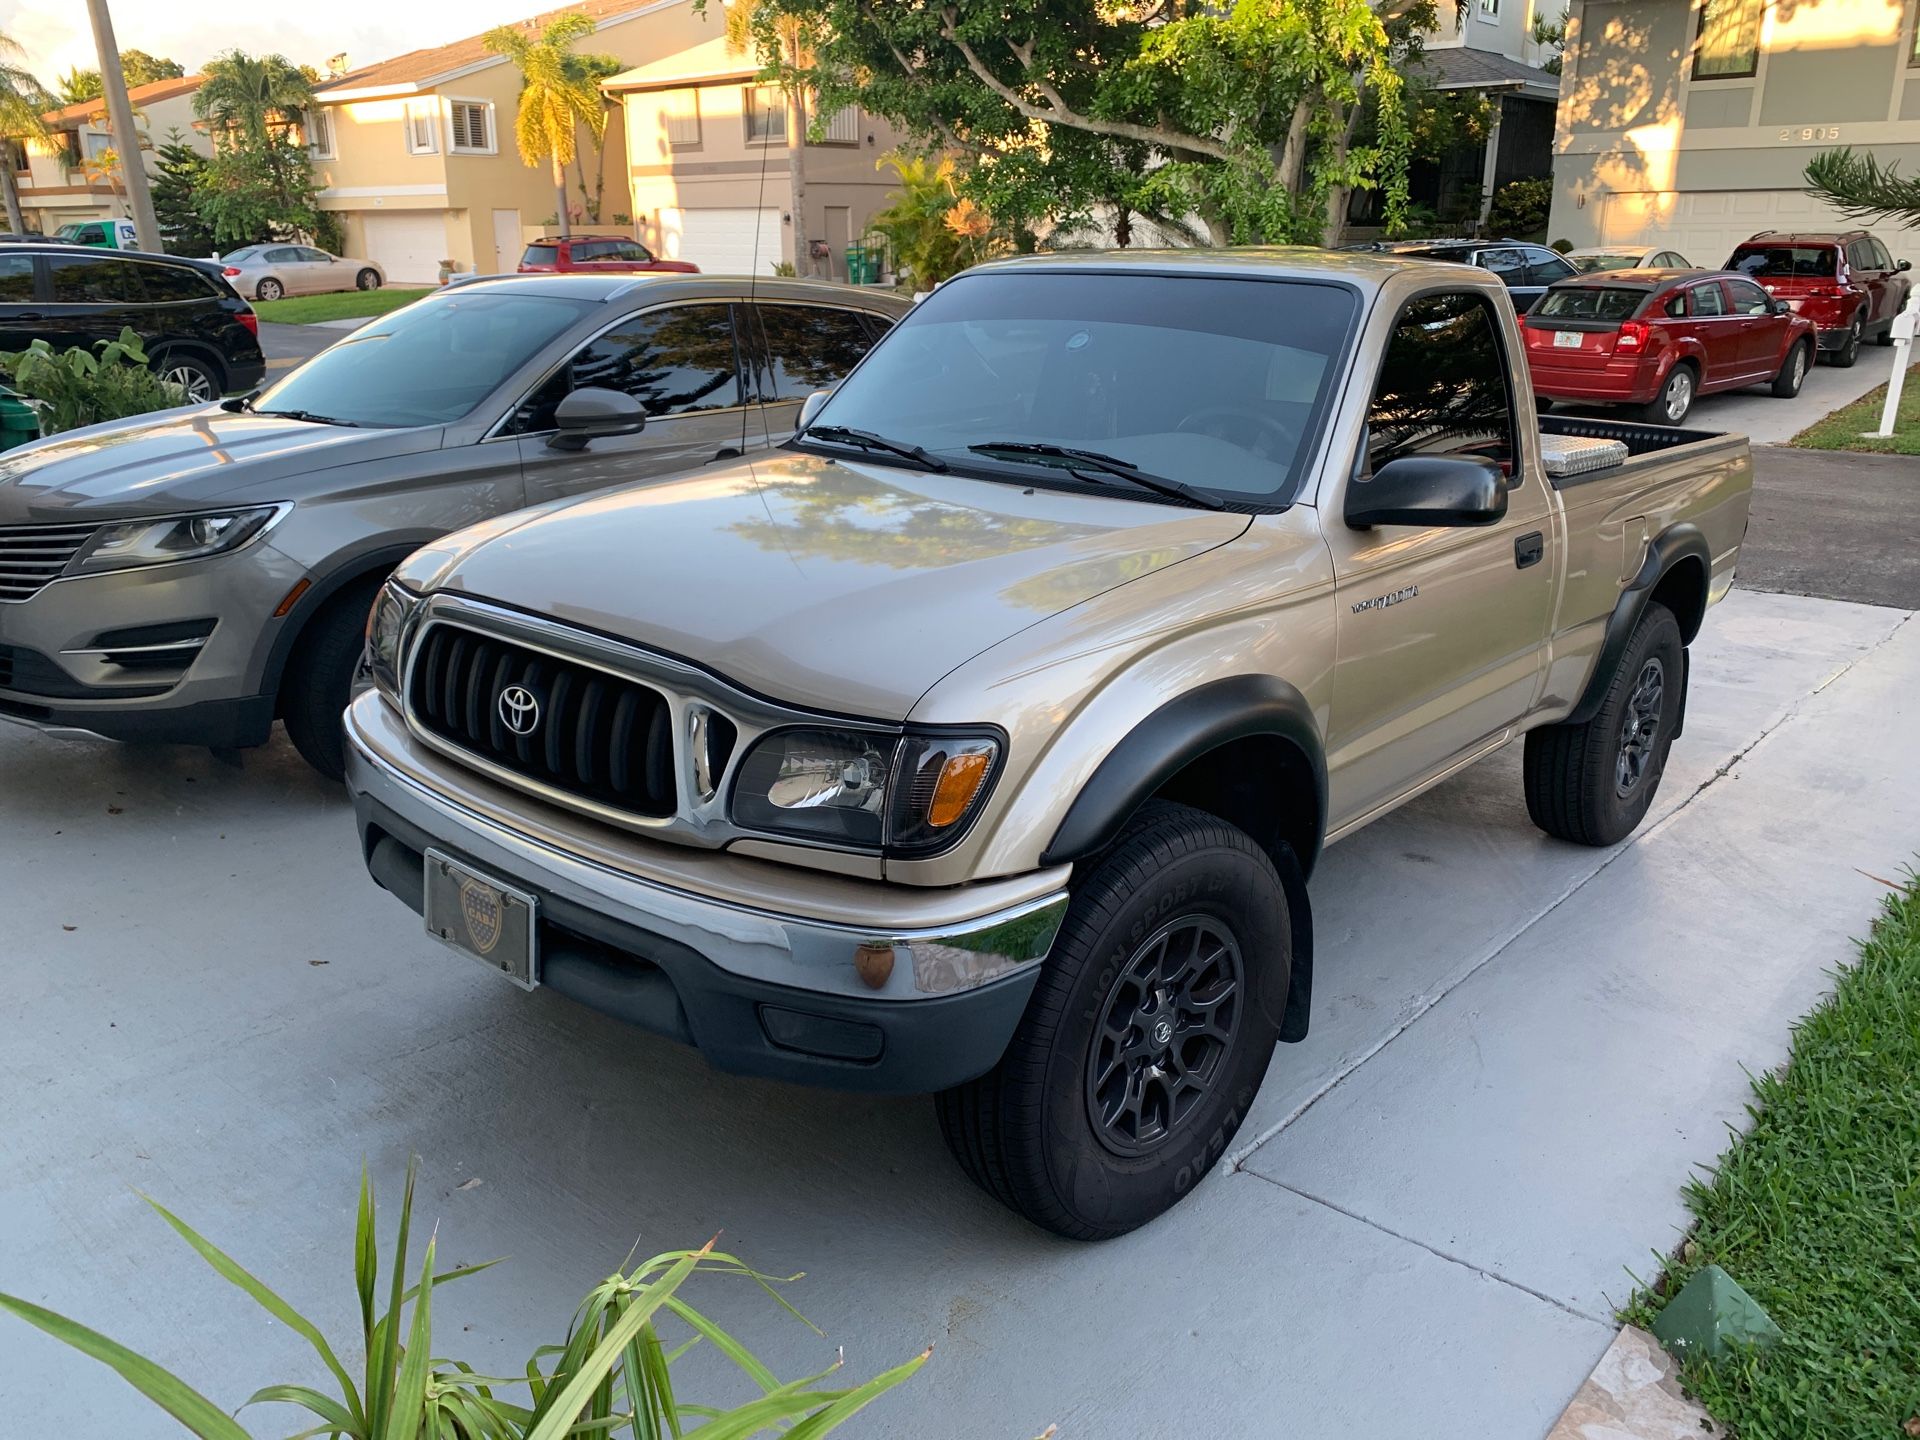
(1657, 338)
(198, 332)
(596, 255)
(1844, 281)
(1526, 270)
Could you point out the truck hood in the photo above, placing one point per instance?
(847, 587)
(184, 460)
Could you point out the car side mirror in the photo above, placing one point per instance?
(594, 412)
(1428, 490)
(1904, 265)
(1780, 307)
(810, 407)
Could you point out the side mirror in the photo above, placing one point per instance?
(593, 412)
(1780, 307)
(1428, 490)
(1904, 265)
(810, 407)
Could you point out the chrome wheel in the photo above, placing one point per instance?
(269, 290)
(1799, 372)
(1640, 728)
(1679, 395)
(196, 382)
(1165, 1030)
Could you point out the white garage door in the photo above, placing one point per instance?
(408, 247)
(723, 242)
(1705, 225)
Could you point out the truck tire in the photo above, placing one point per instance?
(319, 677)
(1675, 399)
(1592, 783)
(1147, 1035)
(1849, 351)
(1793, 371)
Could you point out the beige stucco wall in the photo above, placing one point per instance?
(52, 195)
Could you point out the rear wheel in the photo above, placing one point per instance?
(1793, 371)
(319, 678)
(1849, 350)
(1675, 399)
(368, 279)
(1146, 1037)
(269, 290)
(197, 377)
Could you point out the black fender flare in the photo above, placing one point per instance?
(381, 561)
(1677, 542)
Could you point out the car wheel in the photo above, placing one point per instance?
(200, 381)
(1793, 371)
(368, 279)
(1675, 399)
(1850, 350)
(1592, 783)
(319, 678)
(1147, 1035)
(269, 290)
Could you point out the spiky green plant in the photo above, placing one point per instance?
(612, 1374)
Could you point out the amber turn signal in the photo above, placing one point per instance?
(960, 780)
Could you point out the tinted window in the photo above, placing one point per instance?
(1784, 262)
(1676, 305)
(246, 252)
(174, 282)
(540, 255)
(1589, 264)
(1748, 298)
(284, 255)
(583, 250)
(1443, 385)
(1509, 265)
(81, 280)
(1881, 259)
(674, 361)
(428, 363)
(1590, 302)
(16, 279)
(317, 257)
(1217, 382)
(809, 347)
(1706, 300)
(1544, 267)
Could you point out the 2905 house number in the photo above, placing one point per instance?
(1809, 132)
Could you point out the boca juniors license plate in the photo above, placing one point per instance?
(482, 919)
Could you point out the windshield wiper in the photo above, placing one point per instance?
(867, 440)
(1107, 464)
(307, 415)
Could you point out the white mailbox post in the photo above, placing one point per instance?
(1904, 325)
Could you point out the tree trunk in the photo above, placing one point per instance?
(1337, 195)
(560, 192)
(1293, 154)
(9, 185)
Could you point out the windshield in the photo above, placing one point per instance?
(1590, 302)
(1784, 262)
(426, 364)
(1215, 383)
(77, 230)
(1589, 264)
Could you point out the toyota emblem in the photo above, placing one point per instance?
(519, 709)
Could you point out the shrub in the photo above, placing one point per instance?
(71, 388)
(1520, 207)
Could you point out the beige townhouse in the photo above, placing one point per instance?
(69, 176)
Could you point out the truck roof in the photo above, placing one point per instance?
(1367, 269)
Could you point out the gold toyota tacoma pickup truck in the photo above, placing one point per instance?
(981, 741)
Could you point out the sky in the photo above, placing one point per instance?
(57, 36)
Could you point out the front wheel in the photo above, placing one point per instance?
(319, 679)
(269, 290)
(1146, 1037)
(193, 375)
(1849, 350)
(368, 279)
(1675, 399)
(1793, 371)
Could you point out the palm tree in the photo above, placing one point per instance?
(557, 96)
(23, 100)
(250, 97)
(593, 70)
(784, 40)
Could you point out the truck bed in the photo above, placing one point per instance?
(1646, 444)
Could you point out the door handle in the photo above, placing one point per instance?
(29, 315)
(726, 452)
(1528, 549)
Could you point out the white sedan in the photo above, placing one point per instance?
(268, 272)
(1626, 257)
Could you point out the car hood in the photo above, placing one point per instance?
(183, 460)
(846, 587)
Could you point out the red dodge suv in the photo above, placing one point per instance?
(595, 255)
(1654, 339)
(1846, 283)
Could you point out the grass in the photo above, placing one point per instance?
(344, 305)
(1843, 429)
(1816, 1212)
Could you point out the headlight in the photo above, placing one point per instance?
(132, 543)
(909, 794)
(386, 622)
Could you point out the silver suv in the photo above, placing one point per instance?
(192, 575)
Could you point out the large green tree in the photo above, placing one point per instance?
(23, 100)
(259, 184)
(558, 95)
(177, 185)
(78, 85)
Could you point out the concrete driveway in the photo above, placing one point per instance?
(1518, 1051)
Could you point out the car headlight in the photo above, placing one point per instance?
(128, 544)
(393, 607)
(909, 794)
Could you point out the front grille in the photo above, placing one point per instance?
(33, 555)
(598, 736)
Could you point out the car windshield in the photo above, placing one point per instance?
(1216, 383)
(1785, 262)
(427, 364)
(1590, 264)
(1589, 302)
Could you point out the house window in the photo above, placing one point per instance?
(320, 134)
(682, 113)
(1490, 9)
(98, 144)
(766, 115)
(423, 136)
(471, 122)
(842, 127)
(1729, 47)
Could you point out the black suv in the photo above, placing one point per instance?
(1527, 269)
(198, 332)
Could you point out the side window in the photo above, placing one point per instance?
(1706, 300)
(877, 325)
(1545, 267)
(808, 348)
(315, 257)
(1858, 255)
(675, 361)
(628, 250)
(164, 283)
(1748, 298)
(284, 255)
(16, 279)
(1443, 385)
(1676, 305)
(81, 280)
(1509, 265)
(1881, 259)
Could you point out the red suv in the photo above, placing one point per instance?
(595, 255)
(1846, 283)
(1657, 338)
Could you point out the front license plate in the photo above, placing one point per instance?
(482, 919)
(1566, 339)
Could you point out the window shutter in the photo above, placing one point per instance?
(843, 126)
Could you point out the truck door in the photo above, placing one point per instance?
(1441, 632)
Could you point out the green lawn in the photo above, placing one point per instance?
(1816, 1212)
(345, 305)
(1842, 430)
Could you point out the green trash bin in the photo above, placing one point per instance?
(18, 423)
